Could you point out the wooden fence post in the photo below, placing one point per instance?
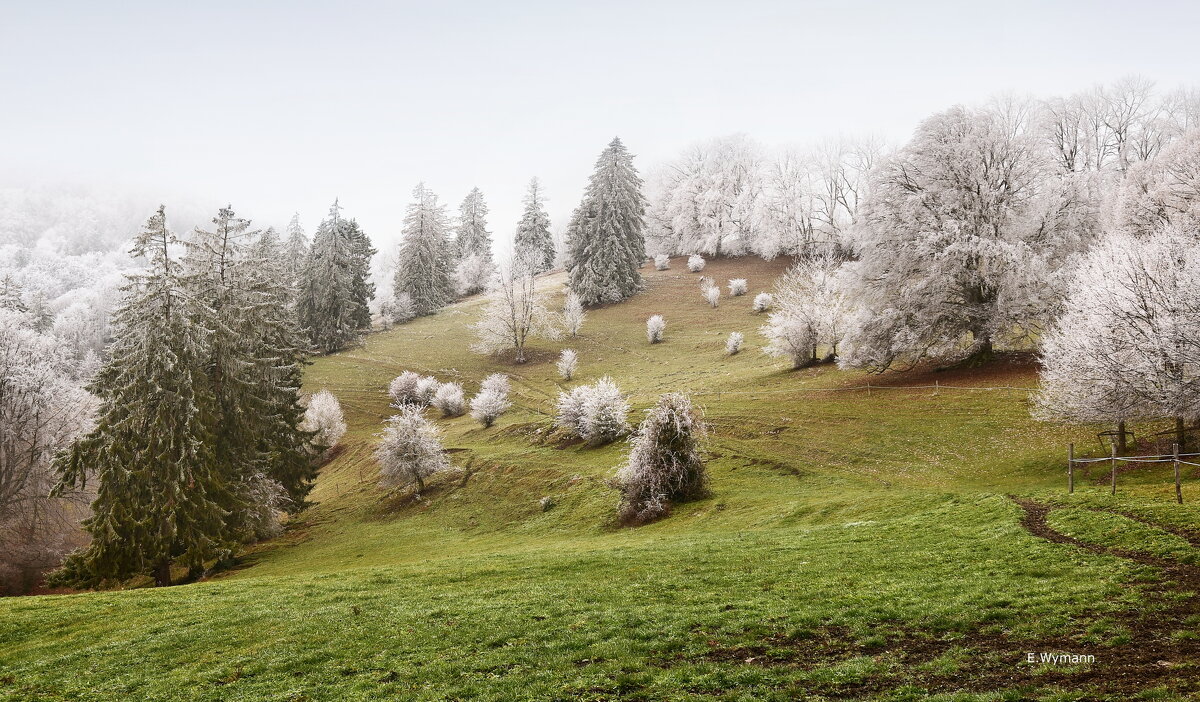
(1071, 469)
(1178, 488)
(1114, 469)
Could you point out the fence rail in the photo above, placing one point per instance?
(1175, 458)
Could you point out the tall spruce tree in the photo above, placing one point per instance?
(534, 242)
(425, 266)
(335, 291)
(472, 237)
(162, 496)
(605, 241)
(295, 252)
(10, 295)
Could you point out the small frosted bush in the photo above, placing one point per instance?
(496, 382)
(403, 388)
(763, 302)
(449, 399)
(568, 360)
(664, 463)
(734, 343)
(427, 387)
(324, 416)
(662, 262)
(488, 405)
(737, 287)
(655, 326)
(403, 308)
(410, 450)
(573, 314)
(695, 263)
(596, 413)
(712, 295)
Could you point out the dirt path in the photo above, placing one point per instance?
(1151, 658)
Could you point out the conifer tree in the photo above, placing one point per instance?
(425, 266)
(605, 241)
(533, 241)
(295, 251)
(472, 237)
(335, 292)
(161, 497)
(10, 295)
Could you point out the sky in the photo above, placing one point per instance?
(279, 107)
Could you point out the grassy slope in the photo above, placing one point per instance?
(870, 515)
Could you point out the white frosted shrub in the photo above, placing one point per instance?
(324, 416)
(427, 387)
(488, 405)
(497, 383)
(449, 399)
(655, 327)
(573, 315)
(695, 263)
(712, 295)
(737, 287)
(734, 343)
(403, 388)
(662, 262)
(409, 450)
(664, 463)
(266, 502)
(790, 336)
(596, 413)
(762, 302)
(473, 275)
(403, 309)
(568, 360)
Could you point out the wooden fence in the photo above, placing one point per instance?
(1175, 457)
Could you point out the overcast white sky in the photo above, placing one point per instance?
(281, 106)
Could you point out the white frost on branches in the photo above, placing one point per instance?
(737, 287)
(711, 295)
(695, 263)
(734, 343)
(449, 398)
(573, 313)
(515, 313)
(655, 327)
(324, 416)
(410, 450)
(662, 262)
(763, 302)
(568, 360)
(596, 413)
(664, 463)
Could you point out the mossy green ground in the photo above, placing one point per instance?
(873, 514)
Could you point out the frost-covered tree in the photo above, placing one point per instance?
(334, 299)
(425, 269)
(323, 417)
(497, 383)
(450, 400)
(427, 387)
(695, 263)
(410, 450)
(533, 238)
(162, 496)
(1127, 345)
(811, 311)
(515, 312)
(568, 361)
(1161, 191)
(403, 388)
(573, 314)
(964, 232)
(763, 302)
(295, 252)
(733, 344)
(471, 237)
(473, 274)
(605, 241)
(662, 262)
(403, 309)
(655, 327)
(596, 413)
(664, 463)
(737, 287)
(11, 297)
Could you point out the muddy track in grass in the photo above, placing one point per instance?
(987, 661)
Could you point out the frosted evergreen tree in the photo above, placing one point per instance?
(161, 497)
(533, 241)
(331, 305)
(295, 251)
(362, 290)
(605, 240)
(425, 267)
(10, 295)
(472, 237)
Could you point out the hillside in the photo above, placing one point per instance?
(883, 542)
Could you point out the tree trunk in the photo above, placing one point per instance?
(1180, 434)
(420, 485)
(520, 354)
(162, 573)
(1121, 444)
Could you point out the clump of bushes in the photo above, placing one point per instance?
(695, 263)
(596, 413)
(449, 398)
(655, 327)
(492, 400)
(664, 463)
